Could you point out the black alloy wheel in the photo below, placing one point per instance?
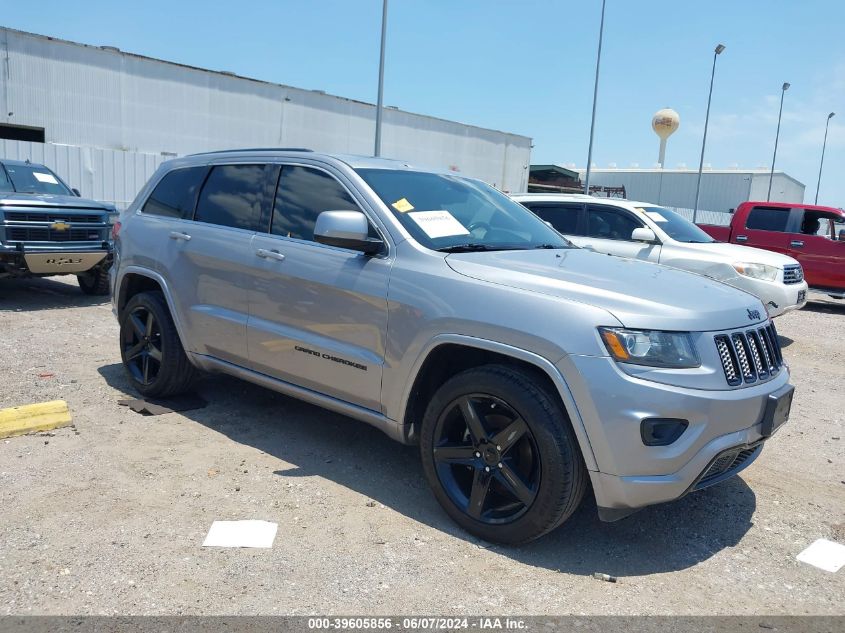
(500, 454)
(486, 459)
(142, 345)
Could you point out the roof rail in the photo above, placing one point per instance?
(254, 149)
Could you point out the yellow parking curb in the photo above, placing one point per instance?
(31, 418)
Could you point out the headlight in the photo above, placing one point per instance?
(757, 271)
(650, 347)
(113, 216)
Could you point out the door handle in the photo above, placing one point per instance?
(741, 238)
(796, 243)
(267, 254)
(176, 235)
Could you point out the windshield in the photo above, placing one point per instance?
(677, 226)
(31, 179)
(452, 213)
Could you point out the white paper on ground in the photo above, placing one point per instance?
(438, 223)
(42, 177)
(824, 554)
(251, 533)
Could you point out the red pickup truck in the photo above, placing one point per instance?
(813, 235)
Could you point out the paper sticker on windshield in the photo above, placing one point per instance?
(654, 215)
(403, 206)
(438, 223)
(42, 177)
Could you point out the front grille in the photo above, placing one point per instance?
(793, 274)
(727, 465)
(749, 355)
(43, 234)
(18, 216)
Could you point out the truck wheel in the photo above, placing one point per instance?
(500, 455)
(152, 353)
(94, 282)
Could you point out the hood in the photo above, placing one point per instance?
(639, 294)
(51, 200)
(736, 253)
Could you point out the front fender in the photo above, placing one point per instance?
(541, 363)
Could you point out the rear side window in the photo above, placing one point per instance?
(561, 216)
(767, 219)
(610, 224)
(176, 193)
(303, 194)
(232, 196)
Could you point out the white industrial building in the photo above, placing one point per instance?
(721, 190)
(104, 119)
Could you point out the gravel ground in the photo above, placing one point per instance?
(107, 516)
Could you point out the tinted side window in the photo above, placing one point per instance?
(609, 224)
(232, 196)
(563, 217)
(176, 193)
(767, 219)
(817, 223)
(302, 195)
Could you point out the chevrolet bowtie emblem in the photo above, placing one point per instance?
(60, 226)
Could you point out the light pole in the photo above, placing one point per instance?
(377, 150)
(821, 164)
(777, 134)
(595, 96)
(716, 52)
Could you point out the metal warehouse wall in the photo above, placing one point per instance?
(720, 190)
(102, 174)
(784, 188)
(90, 96)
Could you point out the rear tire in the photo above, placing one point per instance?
(95, 282)
(152, 353)
(500, 455)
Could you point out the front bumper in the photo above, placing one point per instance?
(778, 297)
(630, 474)
(50, 259)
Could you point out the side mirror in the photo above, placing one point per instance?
(644, 235)
(842, 235)
(76, 192)
(346, 229)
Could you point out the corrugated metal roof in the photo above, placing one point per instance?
(229, 74)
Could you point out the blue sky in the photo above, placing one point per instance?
(527, 66)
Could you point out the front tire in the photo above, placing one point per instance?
(500, 455)
(152, 353)
(94, 282)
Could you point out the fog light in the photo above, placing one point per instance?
(661, 431)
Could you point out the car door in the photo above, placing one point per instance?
(168, 209)
(766, 227)
(608, 229)
(207, 260)
(565, 217)
(821, 255)
(318, 313)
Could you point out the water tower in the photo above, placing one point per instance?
(664, 123)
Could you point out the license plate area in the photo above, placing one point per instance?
(55, 263)
(778, 406)
(802, 295)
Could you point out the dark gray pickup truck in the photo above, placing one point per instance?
(47, 229)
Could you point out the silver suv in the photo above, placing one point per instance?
(437, 309)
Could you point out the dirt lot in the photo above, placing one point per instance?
(107, 517)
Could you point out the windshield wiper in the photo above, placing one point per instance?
(469, 247)
(547, 246)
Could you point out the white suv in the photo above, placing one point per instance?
(641, 230)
